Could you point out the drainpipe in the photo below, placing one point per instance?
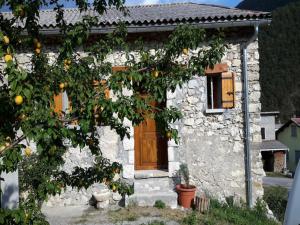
(246, 116)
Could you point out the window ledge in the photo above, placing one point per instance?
(214, 111)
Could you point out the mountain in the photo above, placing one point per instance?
(263, 5)
(279, 48)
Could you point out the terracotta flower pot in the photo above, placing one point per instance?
(186, 195)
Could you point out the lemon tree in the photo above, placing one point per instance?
(27, 112)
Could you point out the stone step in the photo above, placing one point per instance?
(153, 184)
(149, 198)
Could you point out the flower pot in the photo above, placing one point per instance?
(186, 195)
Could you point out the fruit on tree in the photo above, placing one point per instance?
(8, 58)
(28, 151)
(6, 40)
(18, 100)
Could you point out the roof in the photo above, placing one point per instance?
(295, 121)
(160, 15)
(273, 145)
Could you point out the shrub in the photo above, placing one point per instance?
(159, 204)
(191, 219)
(276, 198)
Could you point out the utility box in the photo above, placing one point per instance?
(292, 215)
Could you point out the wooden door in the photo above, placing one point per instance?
(151, 151)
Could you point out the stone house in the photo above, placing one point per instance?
(289, 134)
(273, 151)
(221, 123)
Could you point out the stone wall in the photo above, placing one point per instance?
(212, 144)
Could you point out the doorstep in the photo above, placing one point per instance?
(145, 174)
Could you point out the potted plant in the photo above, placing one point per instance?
(186, 192)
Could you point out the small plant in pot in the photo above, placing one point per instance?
(186, 192)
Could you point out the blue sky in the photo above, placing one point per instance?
(230, 3)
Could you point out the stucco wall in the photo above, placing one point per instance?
(268, 122)
(211, 144)
(293, 143)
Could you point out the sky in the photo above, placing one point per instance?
(230, 3)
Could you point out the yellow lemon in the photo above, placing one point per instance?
(185, 51)
(61, 85)
(28, 151)
(2, 148)
(169, 134)
(37, 51)
(38, 44)
(114, 188)
(6, 40)
(18, 100)
(155, 73)
(8, 58)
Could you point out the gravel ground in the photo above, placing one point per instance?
(86, 215)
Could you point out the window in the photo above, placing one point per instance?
(220, 90)
(293, 131)
(263, 133)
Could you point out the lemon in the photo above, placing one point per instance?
(37, 51)
(185, 51)
(18, 100)
(169, 134)
(155, 73)
(38, 44)
(61, 85)
(28, 151)
(6, 40)
(8, 58)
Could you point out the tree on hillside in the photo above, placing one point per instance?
(27, 106)
(263, 5)
(279, 62)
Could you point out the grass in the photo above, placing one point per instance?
(276, 198)
(219, 214)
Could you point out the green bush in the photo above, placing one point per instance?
(191, 219)
(159, 204)
(276, 198)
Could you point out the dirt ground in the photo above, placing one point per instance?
(87, 215)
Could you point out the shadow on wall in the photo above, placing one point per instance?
(10, 191)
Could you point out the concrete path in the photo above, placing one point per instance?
(86, 215)
(278, 181)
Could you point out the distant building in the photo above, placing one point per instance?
(273, 151)
(289, 134)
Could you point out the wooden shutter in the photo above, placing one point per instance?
(58, 106)
(228, 91)
(102, 85)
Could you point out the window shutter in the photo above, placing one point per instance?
(58, 106)
(101, 86)
(228, 91)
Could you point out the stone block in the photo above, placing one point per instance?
(131, 157)
(173, 168)
(128, 171)
(116, 197)
(102, 205)
(101, 197)
(193, 84)
(128, 144)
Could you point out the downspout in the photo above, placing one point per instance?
(246, 116)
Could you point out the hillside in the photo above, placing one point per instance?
(263, 5)
(279, 46)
